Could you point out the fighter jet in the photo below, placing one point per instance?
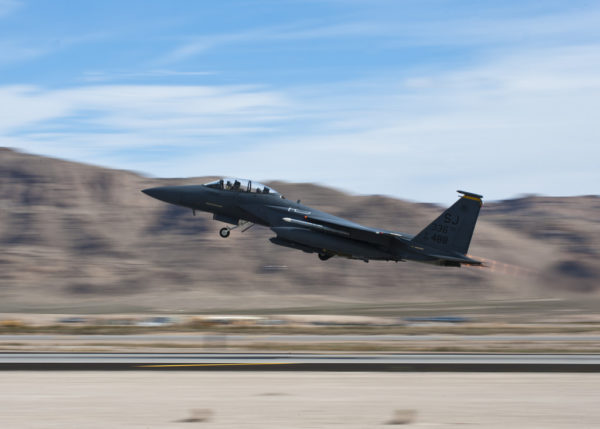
(243, 203)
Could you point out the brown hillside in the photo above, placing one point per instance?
(75, 236)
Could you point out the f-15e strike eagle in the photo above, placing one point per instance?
(243, 203)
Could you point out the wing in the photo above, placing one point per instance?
(306, 217)
(338, 226)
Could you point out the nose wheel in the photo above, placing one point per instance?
(245, 225)
(324, 256)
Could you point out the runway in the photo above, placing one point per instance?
(299, 362)
(295, 338)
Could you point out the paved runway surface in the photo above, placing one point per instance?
(301, 362)
(299, 338)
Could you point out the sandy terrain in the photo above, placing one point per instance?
(296, 400)
(88, 241)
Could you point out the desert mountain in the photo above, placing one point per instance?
(80, 237)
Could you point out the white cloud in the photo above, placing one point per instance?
(200, 44)
(138, 106)
(91, 123)
(522, 123)
(21, 106)
(393, 30)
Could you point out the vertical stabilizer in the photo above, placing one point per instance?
(451, 232)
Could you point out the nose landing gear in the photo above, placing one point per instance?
(225, 231)
(324, 256)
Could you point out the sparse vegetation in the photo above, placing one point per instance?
(460, 329)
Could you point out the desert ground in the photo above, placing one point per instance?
(297, 400)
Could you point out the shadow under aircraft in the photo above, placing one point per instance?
(244, 203)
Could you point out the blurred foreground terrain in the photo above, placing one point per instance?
(232, 400)
(77, 238)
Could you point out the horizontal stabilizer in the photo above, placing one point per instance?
(466, 260)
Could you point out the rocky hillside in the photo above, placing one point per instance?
(75, 236)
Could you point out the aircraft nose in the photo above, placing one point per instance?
(168, 194)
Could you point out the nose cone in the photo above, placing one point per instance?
(168, 194)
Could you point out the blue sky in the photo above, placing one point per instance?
(413, 99)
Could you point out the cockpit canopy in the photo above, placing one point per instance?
(241, 185)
